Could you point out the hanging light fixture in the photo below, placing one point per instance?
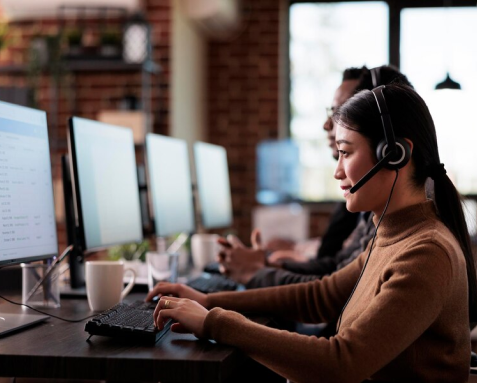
(448, 83)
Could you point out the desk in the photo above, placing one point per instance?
(58, 350)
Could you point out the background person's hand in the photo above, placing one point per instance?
(188, 314)
(177, 290)
(238, 262)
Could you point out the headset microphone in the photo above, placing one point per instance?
(376, 168)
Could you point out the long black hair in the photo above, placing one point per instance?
(411, 119)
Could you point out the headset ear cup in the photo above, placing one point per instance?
(380, 150)
(402, 157)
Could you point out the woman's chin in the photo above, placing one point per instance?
(352, 207)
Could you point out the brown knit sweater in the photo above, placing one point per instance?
(407, 320)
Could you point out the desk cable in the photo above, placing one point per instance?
(45, 313)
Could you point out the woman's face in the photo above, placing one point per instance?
(356, 158)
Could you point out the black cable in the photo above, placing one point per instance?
(369, 253)
(50, 315)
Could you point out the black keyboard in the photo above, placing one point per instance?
(212, 283)
(133, 322)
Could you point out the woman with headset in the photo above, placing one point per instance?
(403, 306)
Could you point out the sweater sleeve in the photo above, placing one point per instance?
(322, 266)
(313, 302)
(270, 276)
(412, 293)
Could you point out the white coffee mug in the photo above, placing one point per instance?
(205, 249)
(104, 283)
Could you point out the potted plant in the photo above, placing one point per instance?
(111, 39)
(74, 40)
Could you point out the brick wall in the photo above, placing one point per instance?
(243, 99)
(81, 92)
(243, 87)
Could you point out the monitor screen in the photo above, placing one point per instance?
(213, 185)
(170, 184)
(105, 184)
(278, 171)
(27, 213)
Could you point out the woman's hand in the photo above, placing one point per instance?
(177, 290)
(188, 314)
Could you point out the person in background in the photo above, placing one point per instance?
(347, 234)
(403, 306)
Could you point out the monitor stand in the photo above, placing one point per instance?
(76, 288)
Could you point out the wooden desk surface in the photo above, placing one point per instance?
(57, 349)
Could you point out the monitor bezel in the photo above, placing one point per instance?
(78, 208)
(12, 262)
(77, 201)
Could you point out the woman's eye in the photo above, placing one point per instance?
(342, 153)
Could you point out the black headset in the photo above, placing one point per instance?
(392, 153)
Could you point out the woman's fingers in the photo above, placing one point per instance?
(177, 290)
(177, 327)
(164, 303)
(223, 242)
(162, 316)
(189, 314)
(163, 288)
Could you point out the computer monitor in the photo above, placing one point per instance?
(278, 171)
(213, 185)
(105, 184)
(27, 213)
(170, 185)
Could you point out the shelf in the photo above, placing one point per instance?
(91, 65)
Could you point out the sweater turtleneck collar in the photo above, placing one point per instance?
(402, 223)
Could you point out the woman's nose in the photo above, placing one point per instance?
(339, 171)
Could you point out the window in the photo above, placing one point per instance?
(325, 39)
(434, 42)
